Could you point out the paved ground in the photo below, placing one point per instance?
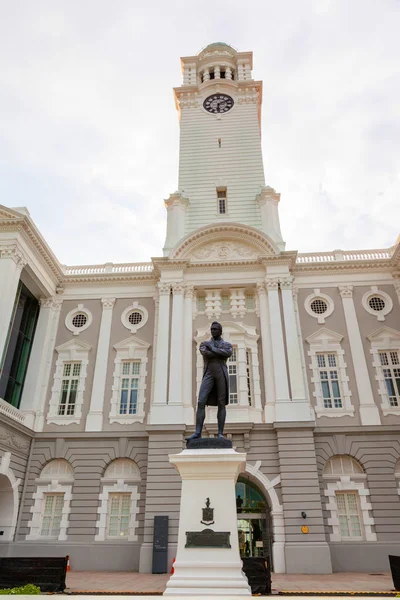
(91, 581)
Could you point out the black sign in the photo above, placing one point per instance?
(48, 573)
(160, 545)
(208, 539)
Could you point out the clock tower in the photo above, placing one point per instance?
(221, 172)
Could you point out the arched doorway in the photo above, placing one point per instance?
(253, 520)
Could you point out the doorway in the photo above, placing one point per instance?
(253, 521)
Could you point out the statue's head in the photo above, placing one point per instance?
(216, 329)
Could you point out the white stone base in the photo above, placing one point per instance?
(208, 571)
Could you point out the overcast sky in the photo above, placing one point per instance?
(89, 133)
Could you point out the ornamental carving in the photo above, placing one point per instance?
(224, 251)
(53, 303)
(14, 253)
(108, 303)
(286, 282)
(189, 100)
(248, 96)
(164, 289)
(272, 283)
(189, 291)
(13, 441)
(346, 291)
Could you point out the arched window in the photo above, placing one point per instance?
(50, 512)
(249, 499)
(349, 506)
(119, 501)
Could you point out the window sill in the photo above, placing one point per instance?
(63, 420)
(127, 419)
(334, 412)
(392, 410)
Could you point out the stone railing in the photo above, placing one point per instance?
(109, 268)
(343, 255)
(11, 412)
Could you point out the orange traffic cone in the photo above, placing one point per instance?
(172, 568)
(68, 565)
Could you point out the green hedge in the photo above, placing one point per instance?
(24, 590)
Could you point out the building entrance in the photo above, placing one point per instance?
(254, 521)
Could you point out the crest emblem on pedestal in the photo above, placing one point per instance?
(208, 514)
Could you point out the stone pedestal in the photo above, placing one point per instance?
(209, 473)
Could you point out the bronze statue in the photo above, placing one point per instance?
(214, 389)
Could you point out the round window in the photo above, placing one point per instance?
(79, 320)
(318, 306)
(376, 303)
(135, 317)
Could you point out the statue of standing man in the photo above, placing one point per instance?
(214, 389)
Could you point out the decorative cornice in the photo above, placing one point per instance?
(176, 199)
(286, 283)
(108, 303)
(261, 288)
(346, 291)
(177, 287)
(189, 291)
(268, 194)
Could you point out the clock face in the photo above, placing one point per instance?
(218, 103)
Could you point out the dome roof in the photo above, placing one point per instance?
(216, 45)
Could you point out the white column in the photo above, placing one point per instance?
(94, 419)
(188, 354)
(242, 375)
(175, 395)
(278, 545)
(267, 354)
(396, 284)
(11, 264)
(278, 348)
(369, 412)
(162, 349)
(38, 374)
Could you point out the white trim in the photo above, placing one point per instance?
(325, 340)
(134, 307)
(318, 295)
(243, 337)
(374, 291)
(397, 475)
(9, 527)
(102, 511)
(384, 339)
(345, 483)
(129, 349)
(73, 350)
(72, 313)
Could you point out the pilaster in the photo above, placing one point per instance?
(12, 261)
(38, 374)
(176, 348)
(158, 409)
(267, 354)
(268, 200)
(176, 207)
(278, 353)
(94, 419)
(369, 412)
(188, 354)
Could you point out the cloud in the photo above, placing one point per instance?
(89, 137)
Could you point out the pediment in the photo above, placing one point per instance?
(324, 337)
(224, 242)
(384, 336)
(131, 342)
(9, 213)
(73, 344)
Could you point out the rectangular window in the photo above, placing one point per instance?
(222, 201)
(69, 388)
(129, 387)
(390, 362)
(248, 374)
(349, 515)
(329, 379)
(250, 301)
(232, 371)
(201, 303)
(52, 514)
(225, 302)
(118, 515)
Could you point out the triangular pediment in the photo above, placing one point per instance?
(131, 341)
(10, 213)
(324, 337)
(73, 344)
(384, 336)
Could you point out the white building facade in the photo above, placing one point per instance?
(100, 367)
